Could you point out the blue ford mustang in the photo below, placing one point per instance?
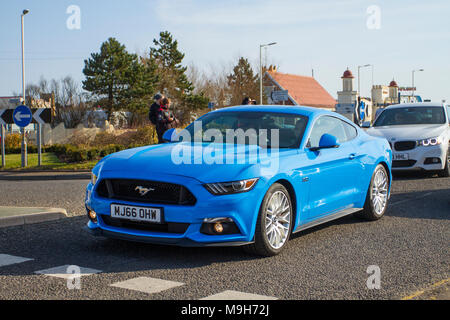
(247, 175)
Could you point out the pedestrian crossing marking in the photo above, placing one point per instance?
(147, 285)
(61, 272)
(237, 295)
(6, 260)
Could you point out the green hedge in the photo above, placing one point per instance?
(72, 153)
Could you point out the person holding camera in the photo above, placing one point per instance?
(165, 119)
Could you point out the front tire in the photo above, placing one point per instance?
(377, 195)
(274, 223)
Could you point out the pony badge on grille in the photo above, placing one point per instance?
(143, 191)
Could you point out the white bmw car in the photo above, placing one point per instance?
(419, 135)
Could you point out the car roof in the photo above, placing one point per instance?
(301, 110)
(414, 105)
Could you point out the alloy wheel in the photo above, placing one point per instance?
(278, 217)
(379, 194)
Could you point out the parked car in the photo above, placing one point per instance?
(324, 168)
(419, 135)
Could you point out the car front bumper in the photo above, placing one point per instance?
(417, 158)
(241, 208)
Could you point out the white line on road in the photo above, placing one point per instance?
(6, 260)
(236, 295)
(61, 272)
(147, 285)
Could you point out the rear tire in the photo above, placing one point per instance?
(445, 173)
(274, 223)
(377, 195)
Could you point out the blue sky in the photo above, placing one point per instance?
(326, 35)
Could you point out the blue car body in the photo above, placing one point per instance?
(323, 185)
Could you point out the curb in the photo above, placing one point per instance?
(36, 177)
(51, 214)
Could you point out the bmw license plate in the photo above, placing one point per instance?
(136, 213)
(401, 156)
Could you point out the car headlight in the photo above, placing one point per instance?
(93, 179)
(430, 142)
(222, 188)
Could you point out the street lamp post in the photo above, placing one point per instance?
(415, 70)
(24, 142)
(260, 70)
(359, 81)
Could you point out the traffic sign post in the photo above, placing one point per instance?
(2, 133)
(22, 117)
(3, 144)
(40, 116)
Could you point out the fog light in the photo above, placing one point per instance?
(218, 227)
(432, 161)
(92, 215)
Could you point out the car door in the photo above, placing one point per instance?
(334, 171)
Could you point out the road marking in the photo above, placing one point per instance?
(147, 285)
(61, 272)
(420, 292)
(236, 295)
(6, 260)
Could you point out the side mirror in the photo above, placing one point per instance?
(366, 124)
(327, 141)
(169, 135)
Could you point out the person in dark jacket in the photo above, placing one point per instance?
(165, 119)
(154, 108)
(248, 101)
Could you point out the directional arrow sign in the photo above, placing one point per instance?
(22, 116)
(2, 121)
(42, 115)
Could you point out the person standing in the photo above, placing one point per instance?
(165, 119)
(154, 108)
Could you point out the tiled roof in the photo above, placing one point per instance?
(306, 91)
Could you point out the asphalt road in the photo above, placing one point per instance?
(410, 245)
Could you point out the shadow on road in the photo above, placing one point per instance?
(413, 175)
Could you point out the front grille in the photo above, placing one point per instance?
(170, 227)
(405, 145)
(403, 163)
(160, 192)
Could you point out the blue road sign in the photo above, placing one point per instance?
(362, 111)
(22, 116)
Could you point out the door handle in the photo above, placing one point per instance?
(352, 156)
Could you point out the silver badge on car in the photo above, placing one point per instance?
(143, 191)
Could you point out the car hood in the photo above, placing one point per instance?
(186, 159)
(408, 132)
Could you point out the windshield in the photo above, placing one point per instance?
(412, 115)
(252, 128)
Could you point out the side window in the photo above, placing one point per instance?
(330, 125)
(350, 131)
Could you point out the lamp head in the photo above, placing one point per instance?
(25, 12)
